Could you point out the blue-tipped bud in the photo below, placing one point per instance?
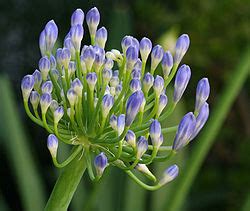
(106, 75)
(44, 67)
(93, 19)
(158, 85)
(131, 138)
(107, 103)
(101, 37)
(201, 119)
(181, 81)
(156, 56)
(114, 81)
(155, 133)
(185, 130)
(181, 48)
(42, 43)
(53, 105)
(76, 33)
(72, 96)
(135, 43)
(133, 106)
(100, 163)
(99, 59)
(169, 174)
(142, 146)
(138, 64)
(131, 56)
(135, 85)
(55, 74)
(27, 85)
(45, 101)
(118, 89)
(127, 41)
(167, 63)
(120, 124)
(65, 57)
(148, 82)
(59, 57)
(51, 33)
(38, 79)
(52, 144)
(58, 114)
(136, 73)
(47, 87)
(72, 68)
(77, 86)
(69, 44)
(145, 48)
(109, 63)
(91, 80)
(88, 56)
(113, 121)
(77, 17)
(163, 101)
(52, 61)
(116, 73)
(34, 99)
(69, 110)
(202, 93)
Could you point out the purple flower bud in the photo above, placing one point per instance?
(106, 75)
(45, 101)
(55, 74)
(91, 80)
(99, 59)
(135, 85)
(71, 95)
(38, 79)
(181, 81)
(120, 124)
(114, 81)
(162, 103)
(42, 43)
(76, 33)
(145, 48)
(101, 37)
(148, 82)
(185, 130)
(201, 119)
(65, 57)
(169, 174)
(113, 121)
(131, 56)
(136, 74)
(109, 63)
(138, 64)
(69, 44)
(27, 85)
(77, 17)
(59, 57)
(142, 146)
(181, 48)
(167, 63)
(34, 99)
(135, 43)
(72, 68)
(52, 144)
(93, 19)
(47, 87)
(118, 89)
(133, 106)
(131, 138)
(52, 61)
(116, 73)
(58, 114)
(156, 56)
(88, 56)
(44, 67)
(77, 86)
(107, 103)
(155, 133)
(51, 33)
(127, 41)
(158, 85)
(53, 105)
(202, 93)
(100, 163)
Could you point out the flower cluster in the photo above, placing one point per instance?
(110, 105)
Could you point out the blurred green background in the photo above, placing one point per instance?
(220, 35)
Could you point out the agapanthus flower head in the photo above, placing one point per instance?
(109, 105)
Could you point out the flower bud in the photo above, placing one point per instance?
(45, 101)
(167, 63)
(145, 48)
(42, 43)
(144, 169)
(156, 56)
(38, 79)
(76, 33)
(93, 19)
(65, 57)
(44, 67)
(126, 43)
(77, 87)
(118, 89)
(131, 56)
(100, 163)
(55, 74)
(47, 87)
(69, 44)
(58, 114)
(113, 121)
(27, 85)
(155, 133)
(163, 100)
(51, 33)
(106, 75)
(133, 106)
(201, 119)
(169, 174)
(99, 59)
(52, 144)
(114, 81)
(101, 37)
(34, 99)
(135, 85)
(202, 93)
(120, 124)
(181, 81)
(138, 65)
(185, 130)
(53, 105)
(130, 138)
(136, 74)
(88, 56)
(181, 48)
(109, 63)
(158, 85)
(91, 80)
(71, 95)
(77, 17)
(142, 147)
(148, 82)
(72, 68)
(107, 103)
(69, 112)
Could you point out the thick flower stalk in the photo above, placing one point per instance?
(109, 105)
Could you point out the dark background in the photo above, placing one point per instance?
(219, 33)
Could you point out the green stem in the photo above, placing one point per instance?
(66, 185)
